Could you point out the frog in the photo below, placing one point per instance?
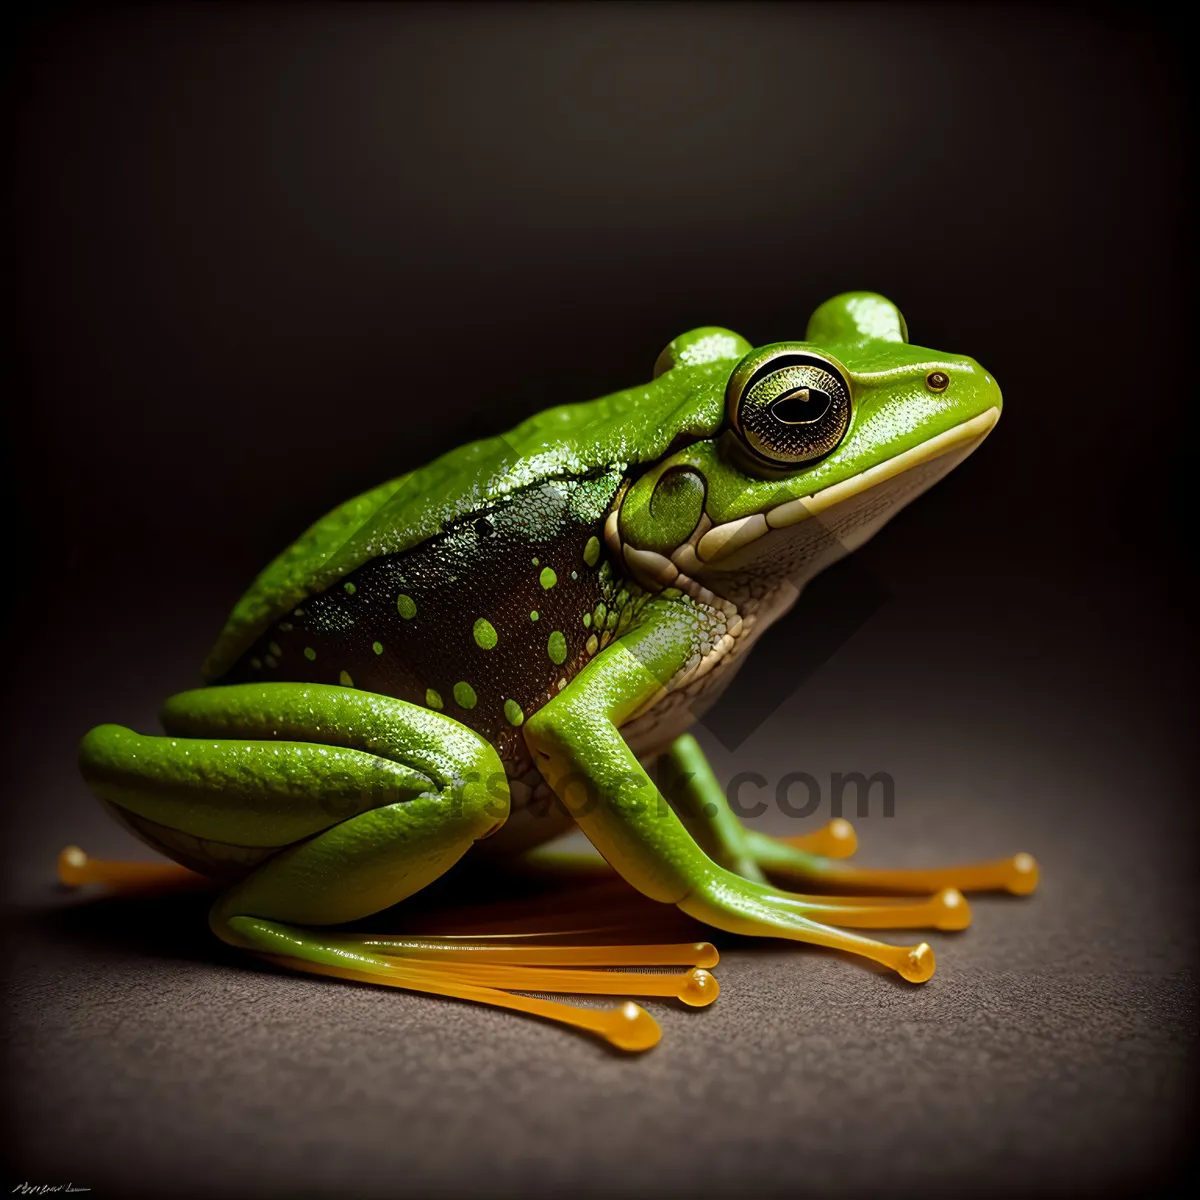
(490, 650)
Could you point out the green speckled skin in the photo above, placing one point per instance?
(528, 613)
(570, 442)
(464, 627)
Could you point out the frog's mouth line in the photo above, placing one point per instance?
(710, 544)
(722, 540)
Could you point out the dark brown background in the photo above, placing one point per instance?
(265, 257)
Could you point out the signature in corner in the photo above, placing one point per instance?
(44, 1189)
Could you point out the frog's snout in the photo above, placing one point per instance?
(990, 395)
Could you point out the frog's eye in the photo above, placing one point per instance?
(794, 408)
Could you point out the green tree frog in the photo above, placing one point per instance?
(493, 646)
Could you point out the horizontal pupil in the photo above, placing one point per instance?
(802, 406)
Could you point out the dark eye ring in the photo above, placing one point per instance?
(937, 381)
(790, 407)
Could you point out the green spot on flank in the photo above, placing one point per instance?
(556, 647)
(485, 634)
(548, 578)
(256, 663)
(533, 616)
(464, 695)
(432, 698)
(271, 662)
(591, 552)
(512, 710)
(377, 647)
(406, 606)
(350, 588)
(574, 574)
(535, 562)
(275, 650)
(592, 644)
(310, 653)
(286, 627)
(344, 679)
(587, 620)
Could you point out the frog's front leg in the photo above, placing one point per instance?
(579, 749)
(352, 801)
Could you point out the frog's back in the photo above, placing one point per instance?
(475, 583)
(570, 442)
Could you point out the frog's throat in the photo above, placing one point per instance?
(710, 543)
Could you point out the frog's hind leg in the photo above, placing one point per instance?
(809, 859)
(687, 779)
(510, 966)
(627, 1027)
(359, 801)
(372, 861)
(697, 796)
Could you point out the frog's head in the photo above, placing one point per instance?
(824, 440)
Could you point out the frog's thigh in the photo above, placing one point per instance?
(359, 867)
(265, 765)
(426, 788)
(390, 794)
(579, 749)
